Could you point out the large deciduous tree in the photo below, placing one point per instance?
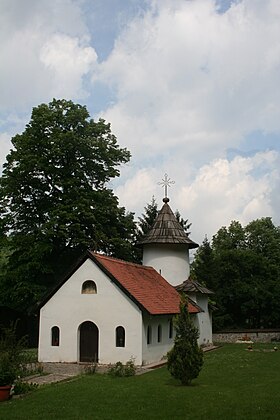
(55, 199)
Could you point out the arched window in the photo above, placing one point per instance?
(170, 328)
(159, 333)
(149, 334)
(120, 337)
(89, 287)
(55, 336)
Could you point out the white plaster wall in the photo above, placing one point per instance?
(205, 328)
(109, 308)
(203, 320)
(155, 351)
(170, 260)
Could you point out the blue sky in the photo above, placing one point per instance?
(191, 88)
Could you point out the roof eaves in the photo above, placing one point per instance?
(192, 302)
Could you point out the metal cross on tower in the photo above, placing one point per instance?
(166, 182)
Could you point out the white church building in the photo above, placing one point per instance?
(108, 310)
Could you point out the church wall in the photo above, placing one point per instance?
(155, 351)
(203, 320)
(107, 309)
(170, 260)
(205, 328)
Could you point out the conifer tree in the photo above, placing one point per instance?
(183, 222)
(185, 359)
(148, 218)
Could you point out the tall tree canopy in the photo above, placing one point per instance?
(55, 199)
(242, 267)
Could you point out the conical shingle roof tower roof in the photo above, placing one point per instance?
(167, 229)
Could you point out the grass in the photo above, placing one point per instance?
(234, 384)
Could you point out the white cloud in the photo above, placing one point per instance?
(68, 62)
(137, 190)
(187, 76)
(222, 191)
(44, 50)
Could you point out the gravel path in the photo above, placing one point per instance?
(56, 372)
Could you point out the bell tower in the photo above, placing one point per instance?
(166, 246)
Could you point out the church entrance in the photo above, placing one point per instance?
(88, 342)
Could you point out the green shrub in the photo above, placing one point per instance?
(121, 370)
(91, 369)
(21, 387)
(116, 370)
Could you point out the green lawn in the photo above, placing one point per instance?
(234, 384)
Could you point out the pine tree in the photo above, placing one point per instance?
(183, 222)
(185, 359)
(148, 218)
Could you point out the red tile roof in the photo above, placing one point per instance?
(142, 284)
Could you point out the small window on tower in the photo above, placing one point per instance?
(89, 287)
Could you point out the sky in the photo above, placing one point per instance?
(190, 87)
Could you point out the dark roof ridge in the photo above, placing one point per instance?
(119, 260)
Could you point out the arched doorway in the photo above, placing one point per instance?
(88, 342)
